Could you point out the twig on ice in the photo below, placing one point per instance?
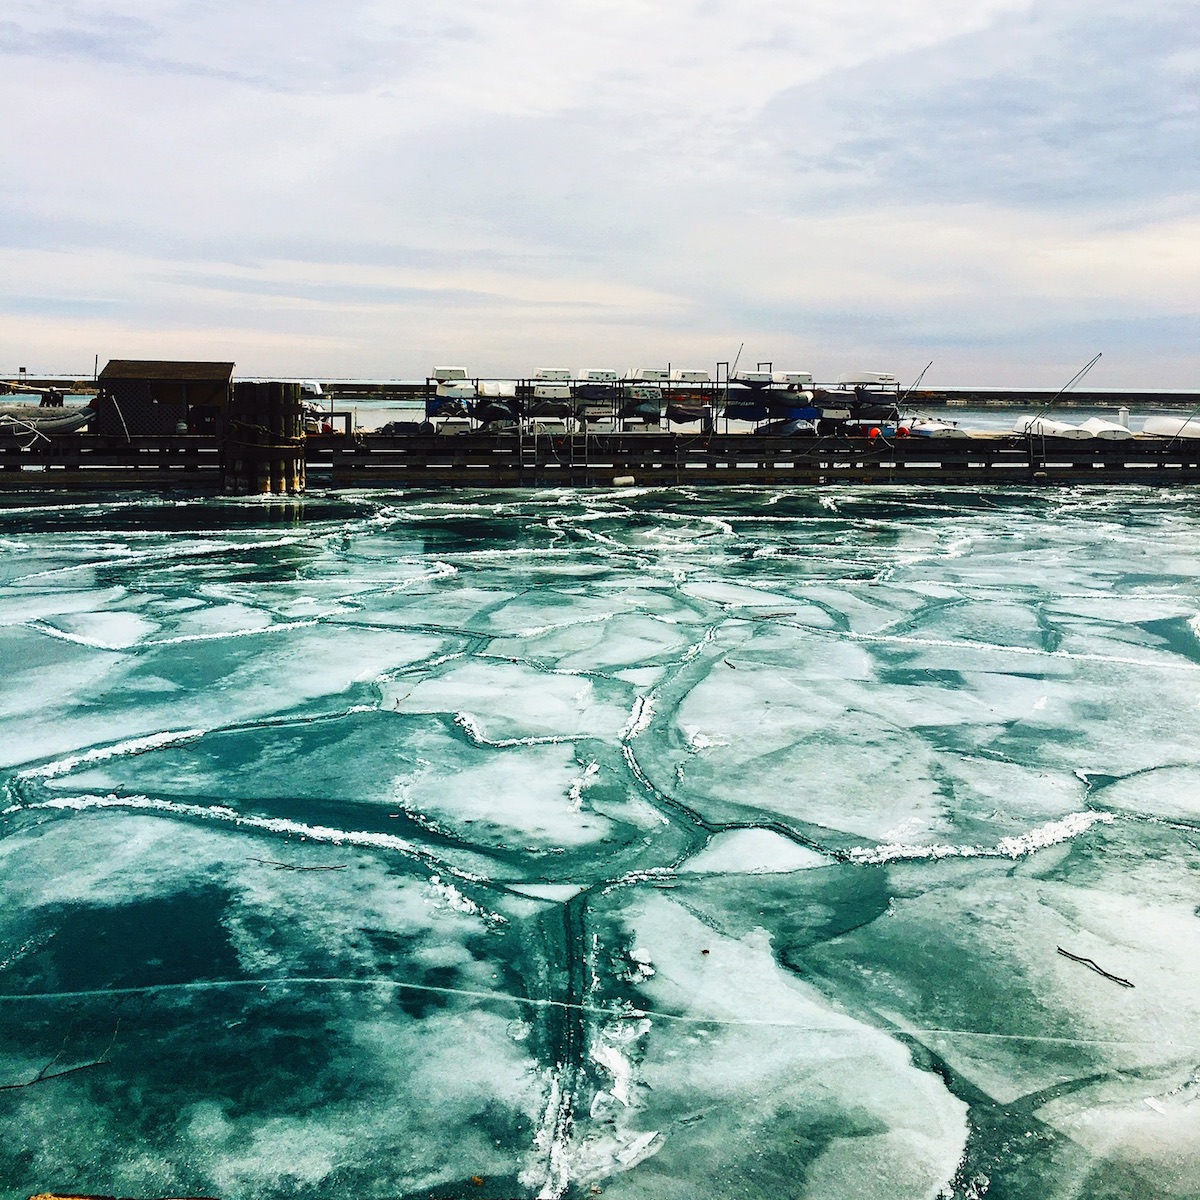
(46, 1074)
(1087, 962)
(282, 866)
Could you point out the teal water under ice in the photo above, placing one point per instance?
(541, 843)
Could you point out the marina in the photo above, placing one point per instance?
(189, 425)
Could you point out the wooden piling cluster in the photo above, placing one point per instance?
(263, 443)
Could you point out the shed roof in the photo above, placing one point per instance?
(137, 368)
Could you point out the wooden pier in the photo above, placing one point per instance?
(194, 462)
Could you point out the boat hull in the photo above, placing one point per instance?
(33, 418)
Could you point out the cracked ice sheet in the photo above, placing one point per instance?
(742, 601)
(764, 1089)
(457, 608)
(366, 765)
(1137, 1145)
(854, 737)
(523, 795)
(222, 1083)
(763, 737)
(45, 604)
(501, 701)
(545, 609)
(997, 623)
(965, 959)
(624, 640)
(219, 617)
(1168, 791)
(108, 696)
(752, 851)
(1023, 629)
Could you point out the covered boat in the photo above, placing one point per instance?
(18, 419)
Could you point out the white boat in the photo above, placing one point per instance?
(928, 427)
(1172, 427)
(497, 389)
(1110, 431)
(448, 374)
(793, 380)
(754, 379)
(644, 394)
(1045, 427)
(451, 426)
(868, 379)
(596, 375)
(682, 376)
(553, 374)
(456, 389)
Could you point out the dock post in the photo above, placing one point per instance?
(262, 449)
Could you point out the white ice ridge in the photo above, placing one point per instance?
(439, 570)
(575, 793)
(1049, 834)
(639, 718)
(127, 557)
(512, 552)
(539, 630)
(636, 771)
(1028, 651)
(709, 634)
(311, 833)
(475, 734)
(152, 741)
(551, 1174)
(63, 636)
(223, 634)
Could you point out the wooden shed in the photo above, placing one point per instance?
(143, 397)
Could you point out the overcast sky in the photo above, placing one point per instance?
(1004, 187)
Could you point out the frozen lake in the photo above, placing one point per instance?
(519, 844)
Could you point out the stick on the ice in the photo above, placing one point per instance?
(1087, 962)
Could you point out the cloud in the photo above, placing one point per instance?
(371, 186)
(1089, 107)
(303, 48)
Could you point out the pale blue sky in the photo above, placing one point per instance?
(369, 188)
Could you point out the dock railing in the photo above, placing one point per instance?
(193, 462)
